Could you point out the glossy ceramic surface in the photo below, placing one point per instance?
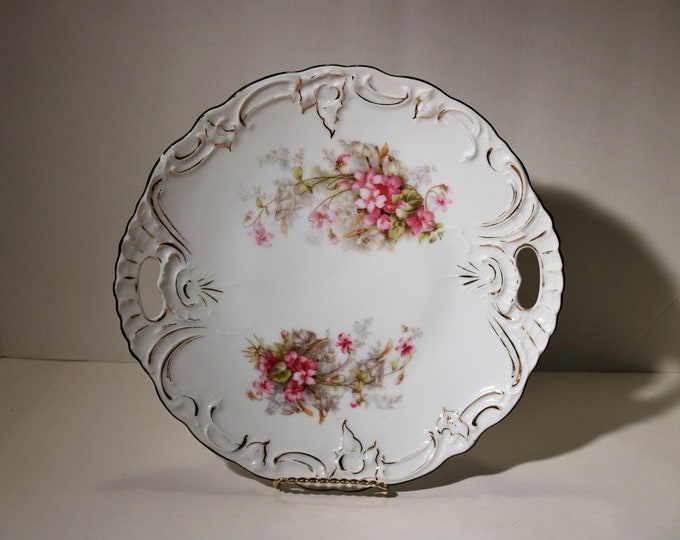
(338, 276)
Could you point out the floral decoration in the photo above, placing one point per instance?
(364, 199)
(305, 372)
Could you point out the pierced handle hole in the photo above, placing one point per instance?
(530, 271)
(149, 294)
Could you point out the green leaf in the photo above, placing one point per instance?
(297, 173)
(411, 201)
(361, 376)
(279, 349)
(280, 373)
(358, 387)
(258, 202)
(394, 364)
(423, 236)
(306, 186)
(397, 230)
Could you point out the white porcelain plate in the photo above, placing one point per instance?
(338, 273)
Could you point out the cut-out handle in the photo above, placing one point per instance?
(150, 295)
(529, 268)
(537, 297)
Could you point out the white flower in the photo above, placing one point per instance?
(367, 239)
(393, 167)
(288, 198)
(360, 328)
(367, 153)
(420, 176)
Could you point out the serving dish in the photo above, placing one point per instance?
(337, 252)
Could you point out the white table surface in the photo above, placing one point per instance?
(88, 451)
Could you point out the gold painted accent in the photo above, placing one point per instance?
(248, 106)
(140, 329)
(474, 420)
(494, 246)
(540, 326)
(330, 483)
(228, 145)
(154, 199)
(396, 100)
(529, 336)
(517, 195)
(519, 374)
(495, 274)
(505, 316)
(147, 231)
(199, 142)
(541, 235)
(515, 359)
(428, 449)
(177, 173)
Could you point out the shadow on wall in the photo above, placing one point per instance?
(619, 313)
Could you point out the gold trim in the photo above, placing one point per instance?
(199, 142)
(395, 100)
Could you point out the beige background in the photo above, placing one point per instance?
(586, 93)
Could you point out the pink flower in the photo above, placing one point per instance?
(362, 179)
(370, 198)
(323, 215)
(345, 343)
(354, 404)
(262, 237)
(422, 220)
(264, 385)
(284, 334)
(392, 184)
(294, 391)
(372, 217)
(440, 200)
(389, 186)
(290, 358)
(383, 223)
(405, 346)
(303, 368)
(341, 160)
(376, 191)
(305, 377)
(266, 361)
